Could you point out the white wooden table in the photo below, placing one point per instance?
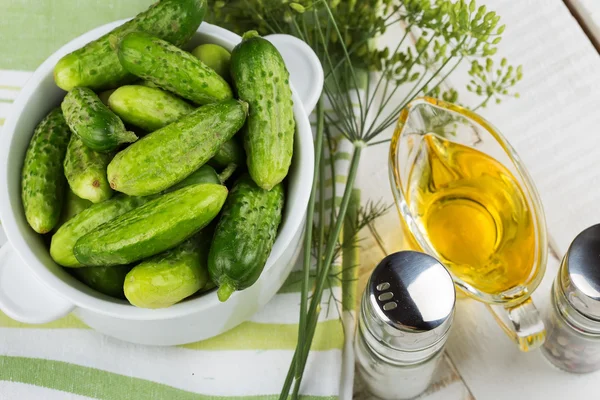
(555, 127)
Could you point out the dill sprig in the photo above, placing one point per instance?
(367, 87)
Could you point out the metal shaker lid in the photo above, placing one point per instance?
(580, 273)
(408, 304)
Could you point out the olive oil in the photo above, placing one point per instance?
(473, 214)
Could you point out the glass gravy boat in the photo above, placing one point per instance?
(465, 197)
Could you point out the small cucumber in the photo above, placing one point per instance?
(152, 228)
(63, 241)
(42, 177)
(147, 108)
(73, 206)
(168, 155)
(106, 280)
(96, 64)
(204, 174)
(151, 108)
(215, 57)
(85, 170)
(98, 127)
(261, 79)
(171, 68)
(244, 235)
(169, 277)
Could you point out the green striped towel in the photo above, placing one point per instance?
(67, 360)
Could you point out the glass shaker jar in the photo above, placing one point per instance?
(573, 320)
(405, 316)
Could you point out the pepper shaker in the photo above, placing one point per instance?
(573, 320)
(405, 316)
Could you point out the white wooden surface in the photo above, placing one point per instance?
(555, 127)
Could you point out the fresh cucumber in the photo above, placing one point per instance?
(262, 80)
(244, 235)
(106, 280)
(96, 64)
(151, 108)
(63, 241)
(42, 177)
(98, 127)
(214, 57)
(147, 108)
(169, 277)
(152, 228)
(85, 170)
(165, 157)
(171, 68)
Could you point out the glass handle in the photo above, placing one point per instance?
(522, 323)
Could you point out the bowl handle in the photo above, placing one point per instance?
(306, 73)
(23, 297)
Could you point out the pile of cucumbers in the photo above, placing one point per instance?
(122, 178)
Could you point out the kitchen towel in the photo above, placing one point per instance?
(67, 360)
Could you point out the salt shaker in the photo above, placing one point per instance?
(573, 320)
(405, 316)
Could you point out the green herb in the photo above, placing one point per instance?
(439, 35)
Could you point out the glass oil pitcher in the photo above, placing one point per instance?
(465, 198)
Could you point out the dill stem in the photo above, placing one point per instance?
(309, 225)
(321, 223)
(333, 174)
(482, 103)
(350, 253)
(315, 302)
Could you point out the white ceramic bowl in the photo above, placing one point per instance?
(34, 289)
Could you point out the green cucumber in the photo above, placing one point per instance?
(85, 170)
(98, 127)
(169, 277)
(63, 241)
(262, 80)
(244, 235)
(214, 57)
(147, 108)
(106, 280)
(96, 64)
(73, 206)
(204, 174)
(171, 68)
(152, 228)
(151, 108)
(42, 176)
(168, 155)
